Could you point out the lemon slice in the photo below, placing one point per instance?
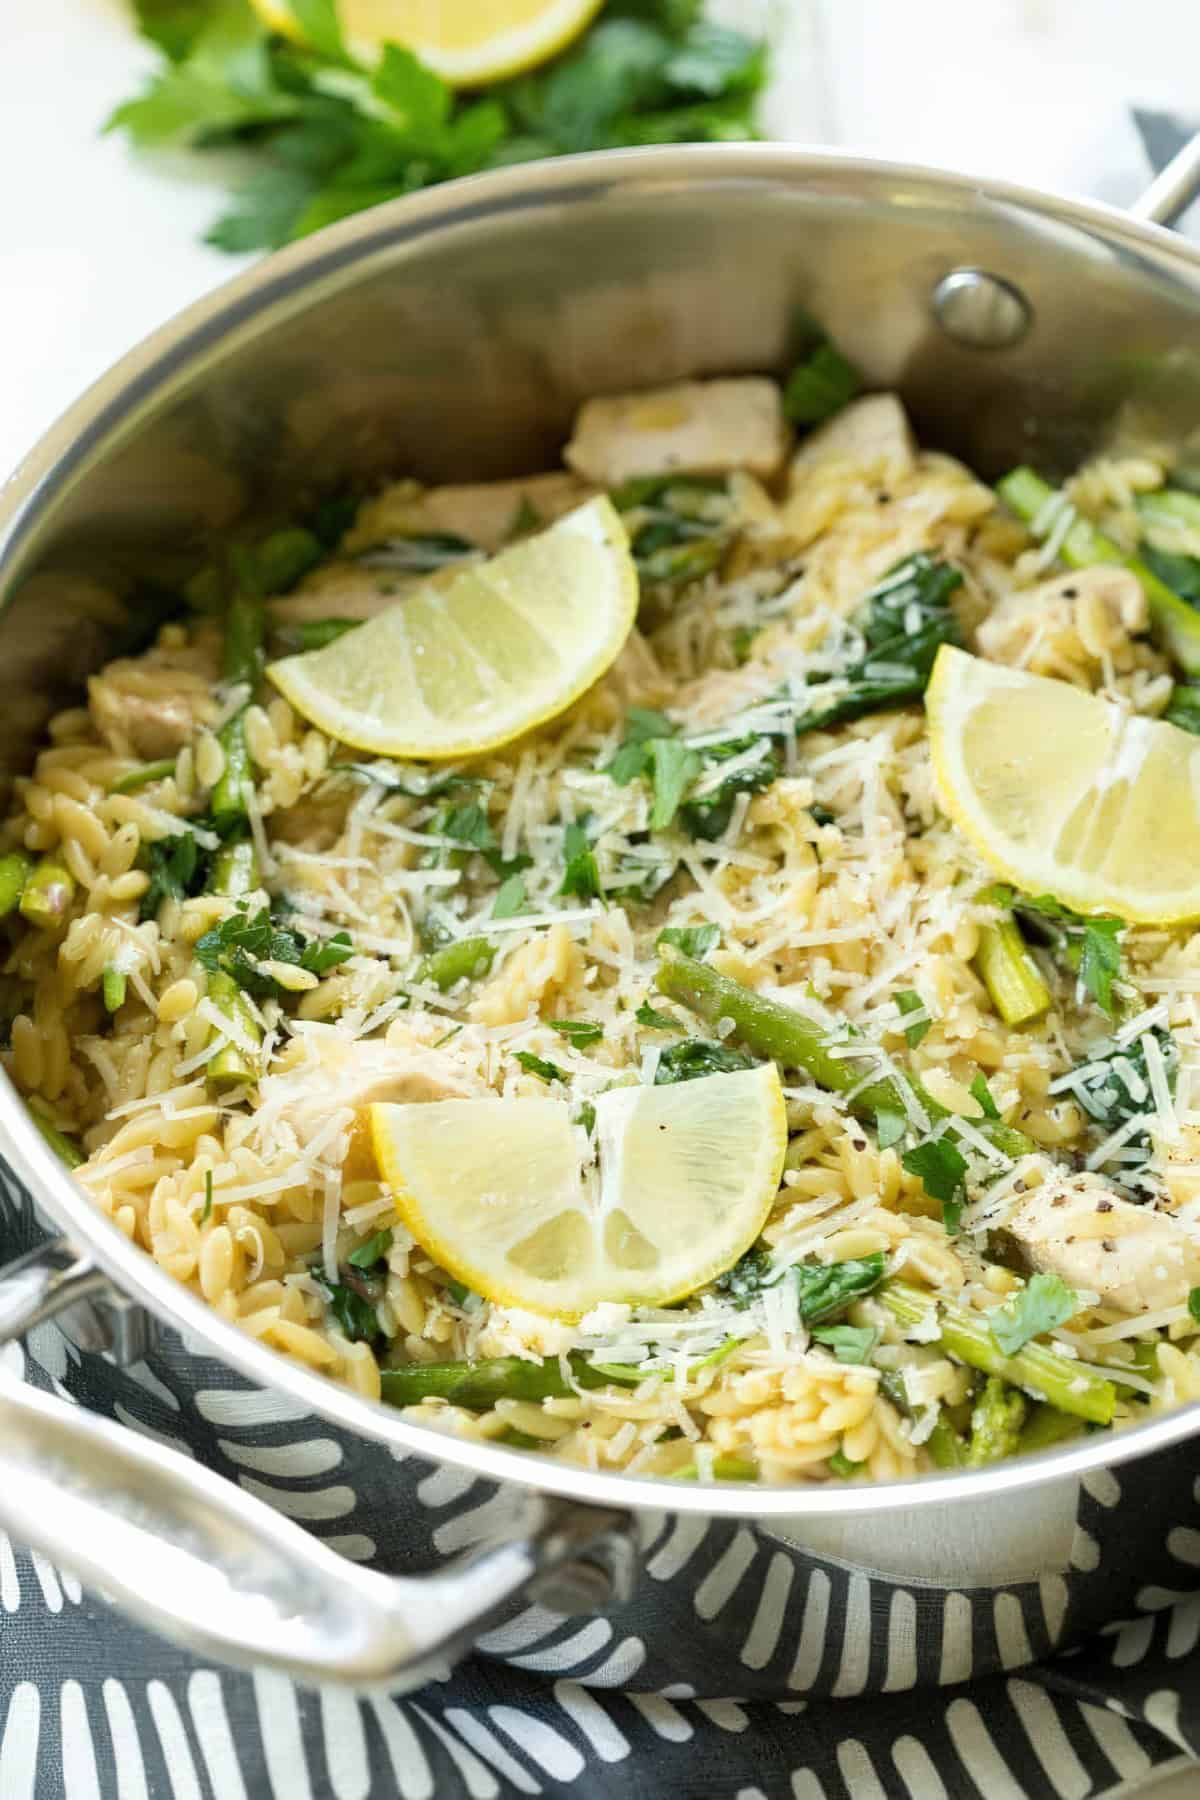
(475, 657)
(1067, 794)
(504, 1194)
(466, 42)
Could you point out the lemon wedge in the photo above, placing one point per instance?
(466, 42)
(474, 657)
(1065, 793)
(508, 1196)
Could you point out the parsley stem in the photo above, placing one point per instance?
(143, 776)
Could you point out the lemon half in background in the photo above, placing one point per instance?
(501, 1194)
(467, 42)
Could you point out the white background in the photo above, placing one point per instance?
(99, 247)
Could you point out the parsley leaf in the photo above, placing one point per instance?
(510, 897)
(321, 955)
(696, 1057)
(890, 1126)
(673, 768)
(245, 939)
(1090, 946)
(582, 875)
(579, 1033)
(820, 386)
(642, 725)
(942, 1169)
(981, 1092)
(1193, 1303)
(693, 940)
(654, 1020)
(1044, 1302)
(175, 868)
(326, 137)
(468, 825)
(910, 1002)
(537, 1065)
(849, 1343)
(372, 1251)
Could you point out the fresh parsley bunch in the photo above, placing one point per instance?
(330, 137)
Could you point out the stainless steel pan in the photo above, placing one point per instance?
(453, 334)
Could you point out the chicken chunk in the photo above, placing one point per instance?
(331, 1072)
(1065, 627)
(692, 428)
(149, 707)
(1135, 1259)
(482, 512)
(341, 590)
(874, 431)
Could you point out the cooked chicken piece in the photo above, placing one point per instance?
(873, 431)
(1135, 1259)
(1065, 624)
(331, 1073)
(342, 590)
(692, 428)
(482, 512)
(149, 707)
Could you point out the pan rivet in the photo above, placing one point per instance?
(981, 311)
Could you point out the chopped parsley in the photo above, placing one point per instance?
(1193, 1302)
(176, 869)
(244, 940)
(982, 1093)
(1043, 1303)
(942, 1169)
(673, 768)
(579, 1033)
(890, 1126)
(696, 1057)
(653, 1020)
(820, 386)
(849, 1343)
(911, 1002)
(510, 897)
(537, 1065)
(373, 1250)
(206, 1214)
(1089, 946)
(582, 874)
(693, 940)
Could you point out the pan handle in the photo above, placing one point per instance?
(191, 1556)
(1173, 189)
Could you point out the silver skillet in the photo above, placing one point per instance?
(451, 335)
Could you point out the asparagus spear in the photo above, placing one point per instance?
(771, 1029)
(245, 630)
(234, 873)
(479, 1385)
(15, 870)
(139, 778)
(996, 1422)
(311, 634)
(47, 893)
(945, 1447)
(1035, 1368)
(1010, 974)
(64, 1147)
(468, 957)
(112, 987)
(1046, 1426)
(1176, 624)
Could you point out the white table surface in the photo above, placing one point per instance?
(101, 246)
